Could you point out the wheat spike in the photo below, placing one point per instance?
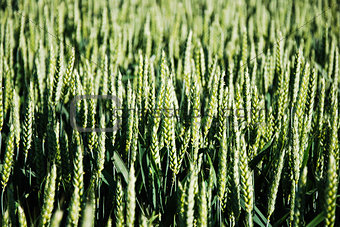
(246, 182)
(28, 123)
(21, 216)
(119, 204)
(203, 209)
(74, 207)
(190, 201)
(222, 167)
(131, 198)
(8, 158)
(49, 193)
(331, 191)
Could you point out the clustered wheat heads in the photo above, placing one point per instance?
(223, 113)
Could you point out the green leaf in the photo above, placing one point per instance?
(258, 212)
(281, 220)
(317, 220)
(107, 178)
(258, 221)
(121, 168)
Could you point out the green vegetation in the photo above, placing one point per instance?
(225, 113)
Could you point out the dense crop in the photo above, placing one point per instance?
(196, 113)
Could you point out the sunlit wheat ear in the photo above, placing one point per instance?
(105, 78)
(285, 90)
(146, 88)
(238, 110)
(167, 130)
(212, 105)
(57, 152)
(195, 120)
(309, 110)
(278, 66)
(169, 127)
(235, 169)
(76, 199)
(152, 90)
(58, 76)
(130, 121)
(140, 79)
(83, 110)
(302, 97)
(91, 122)
(5, 218)
(74, 83)
(202, 64)
(56, 218)
(331, 191)
(299, 199)
(16, 117)
(266, 72)
(190, 197)
(8, 158)
(203, 209)
(109, 222)
(21, 216)
(336, 70)
(114, 105)
(223, 111)
(144, 222)
(197, 63)
(134, 143)
(256, 124)
(154, 146)
(50, 77)
(9, 76)
(244, 46)
(184, 147)
(101, 149)
(295, 160)
(320, 126)
(333, 141)
(247, 188)
(1, 87)
(262, 124)
(182, 200)
(275, 183)
(187, 65)
(49, 192)
(296, 73)
(282, 92)
(155, 117)
(119, 204)
(255, 109)
(231, 84)
(211, 74)
(222, 168)
(247, 97)
(131, 198)
(68, 74)
(89, 215)
(28, 123)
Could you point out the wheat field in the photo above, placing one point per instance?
(169, 113)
